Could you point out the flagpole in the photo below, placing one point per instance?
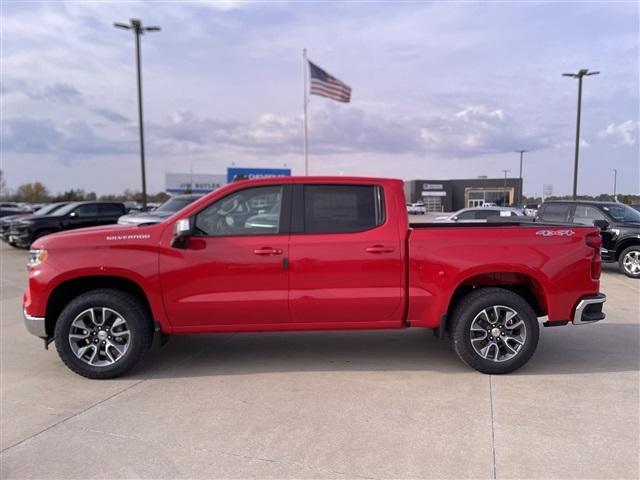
(306, 101)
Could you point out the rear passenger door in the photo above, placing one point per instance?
(345, 254)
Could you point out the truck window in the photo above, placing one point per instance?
(468, 215)
(110, 209)
(88, 210)
(556, 212)
(253, 211)
(484, 214)
(342, 208)
(586, 215)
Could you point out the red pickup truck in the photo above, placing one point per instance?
(308, 253)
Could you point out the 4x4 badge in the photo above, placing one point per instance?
(559, 233)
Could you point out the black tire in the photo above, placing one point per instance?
(634, 249)
(470, 309)
(129, 308)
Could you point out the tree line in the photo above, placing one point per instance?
(37, 192)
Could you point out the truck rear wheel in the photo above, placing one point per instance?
(103, 333)
(494, 330)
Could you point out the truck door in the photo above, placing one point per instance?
(346, 262)
(233, 271)
(82, 216)
(587, 215)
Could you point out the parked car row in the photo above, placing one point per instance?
(619, 226)
(22, 229)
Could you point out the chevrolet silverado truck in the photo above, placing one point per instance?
(308, 253)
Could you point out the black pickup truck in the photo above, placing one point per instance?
(619, 226)
(74, 215)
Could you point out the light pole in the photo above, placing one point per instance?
(138, 29)
(505, 179)
(505, 176)
(521, 152)
(581, 73)
(615, 182)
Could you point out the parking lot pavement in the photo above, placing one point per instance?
(326, 405)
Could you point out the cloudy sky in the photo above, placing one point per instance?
(440, 90)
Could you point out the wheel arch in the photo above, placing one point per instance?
(624, 244)
(66, 291)
(520, 283)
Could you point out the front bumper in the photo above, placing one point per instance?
(20, 237)
(35, 325)
(589, 309)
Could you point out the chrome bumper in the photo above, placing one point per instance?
(589, 310)
(35, 325)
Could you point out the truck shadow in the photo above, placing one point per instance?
(606, 347)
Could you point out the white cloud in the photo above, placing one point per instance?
(625, 133)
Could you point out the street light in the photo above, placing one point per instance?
(615, 181)
(138, 29)
(581, 73)
(521, 152)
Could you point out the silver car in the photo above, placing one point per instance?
(161, 213)
(479, 214)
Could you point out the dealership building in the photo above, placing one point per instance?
(452, 195)
(176, 183)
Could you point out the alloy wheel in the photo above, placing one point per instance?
(99, 336)
(631, 262)
(498, 333)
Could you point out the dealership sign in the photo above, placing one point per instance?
(193, 182)
(234, 173)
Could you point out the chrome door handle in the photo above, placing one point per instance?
(267, 251)
(378, 249)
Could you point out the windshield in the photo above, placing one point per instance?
(622, 213)
(64, 210)
(47, 209)
(174, 204)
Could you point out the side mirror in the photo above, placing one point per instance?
(183, 229)
(455, 219)
(73, 214)
(601, 224)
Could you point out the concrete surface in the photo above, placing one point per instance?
(326, 405)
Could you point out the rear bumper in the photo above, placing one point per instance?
(589, 309)
(35, 325)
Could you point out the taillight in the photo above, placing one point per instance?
(594, 240)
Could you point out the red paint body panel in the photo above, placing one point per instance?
(218, 284)
(334, 280)
(219, 281)
(442, 259)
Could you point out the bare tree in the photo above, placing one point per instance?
(34, 192)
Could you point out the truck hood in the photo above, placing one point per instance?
(102, 236)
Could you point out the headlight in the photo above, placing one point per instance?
(26, 222)
(37, 257)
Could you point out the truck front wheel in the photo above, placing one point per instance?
(103, 333)
(494, 330)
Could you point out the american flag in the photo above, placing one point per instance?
(328, 86)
